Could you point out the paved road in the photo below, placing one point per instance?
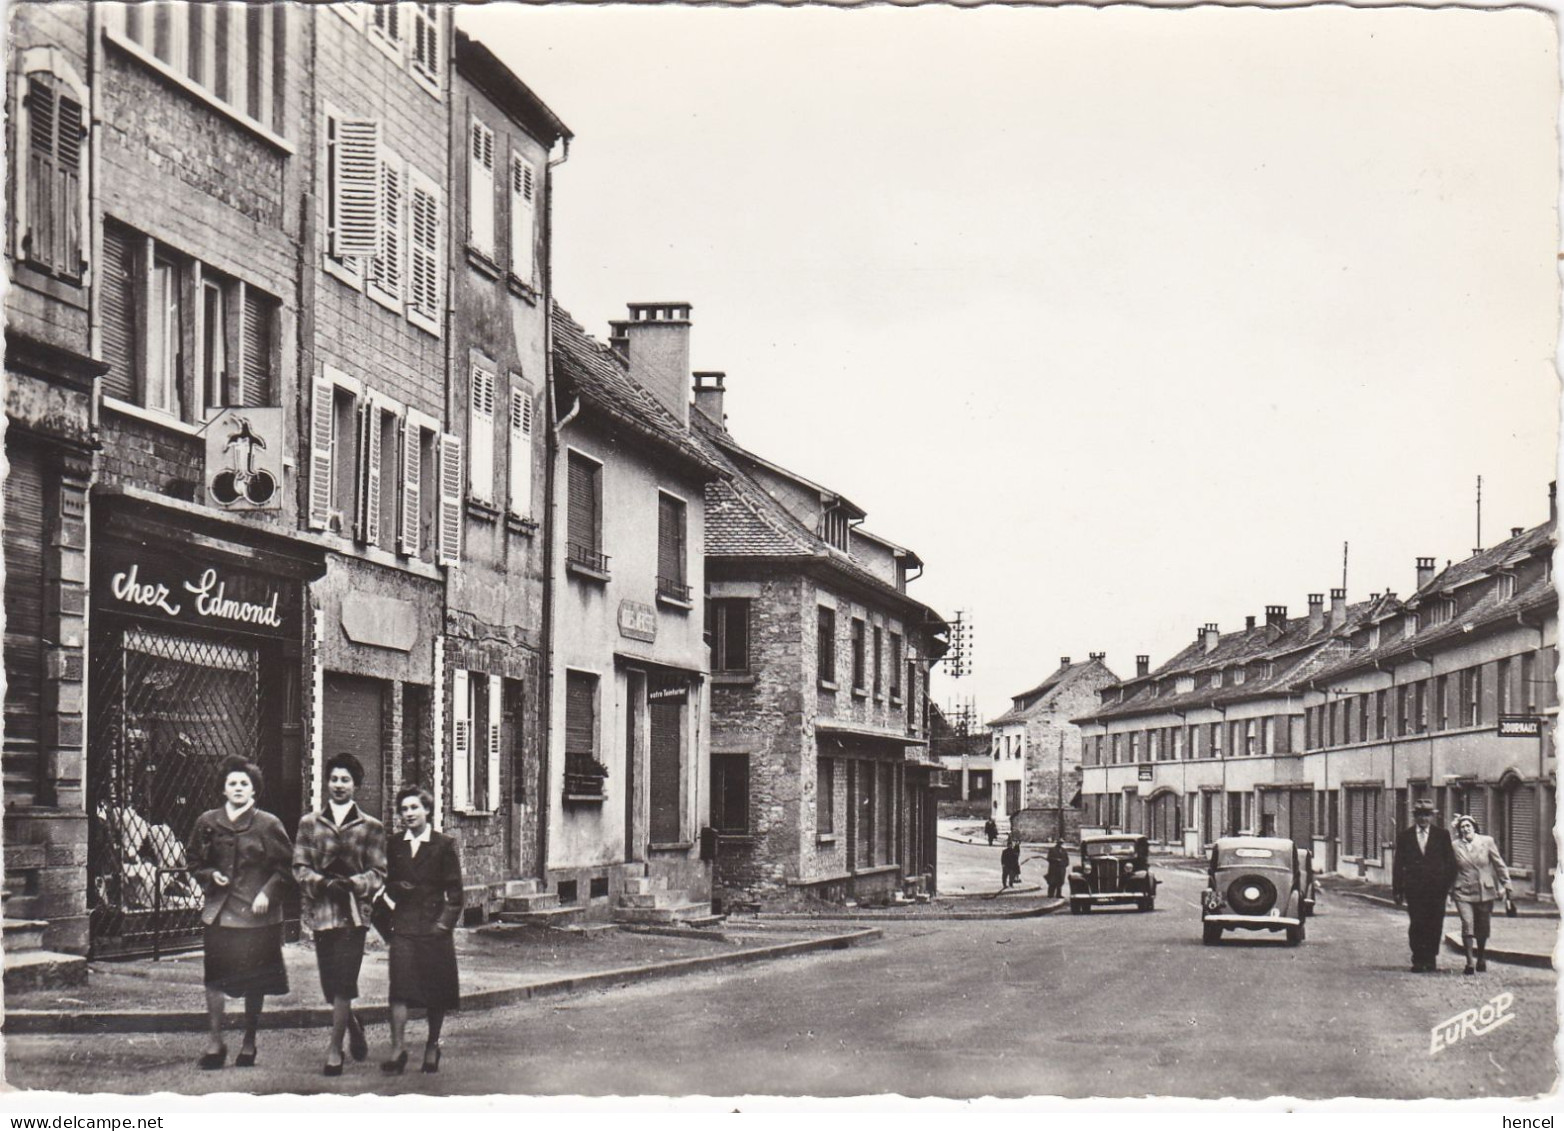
(1116, 1003)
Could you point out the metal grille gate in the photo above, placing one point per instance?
(167, 710)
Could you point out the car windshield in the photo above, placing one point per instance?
(1251, 858)
(1112, 848)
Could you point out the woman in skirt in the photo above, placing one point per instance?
(241, 857)
(424, 891)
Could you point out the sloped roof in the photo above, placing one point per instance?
(597, 374)
(1058, 681)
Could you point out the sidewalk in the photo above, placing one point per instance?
(499, 966)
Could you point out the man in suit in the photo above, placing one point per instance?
(1422, 874)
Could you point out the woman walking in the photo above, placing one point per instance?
(424, 891)
(240, 854)
(1480, 875)
(339, 862)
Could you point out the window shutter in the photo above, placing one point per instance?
(356, 177)
(369, 502)
(670, 542)
(1521, 823)
(492, 797)
(426, 40)
(385, 270)
(480, 434)
(425, 253)
(38, 240)
(119, 314)
(461, 742)
(519, 463)
(523, 246)
(256, 377)
(450, 529)
(580, 702)
(581, 528)
(480, 189)
(320, 453)
(412, 475)
(65, 202)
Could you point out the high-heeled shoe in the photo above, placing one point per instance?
(245, 1059)
(432, 1065)
(396, 1065)
(332, 1069)
(211, 1061)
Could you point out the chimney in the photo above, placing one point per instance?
(657, 344)
(1338, 608)
(1316, 612)
(1276, 615)
(1248, 623)
(1098, 656)
(1553, 502)
(1210, 637)
(619, 337)
(1425, 573)
(708, 397)
(1064, 661)
(1142, 665)
(1517, 531)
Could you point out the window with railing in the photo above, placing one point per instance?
(583, 520)
(671, 549)
(585, 774)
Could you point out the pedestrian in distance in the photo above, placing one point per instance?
(240, 854)
(424, 891)
(1480, 876)
(990, 830)
(1058, 865)
(1421, 876)
(339, 863)
(1010, 865)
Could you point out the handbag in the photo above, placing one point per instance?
(380, 915)
(1509, 908)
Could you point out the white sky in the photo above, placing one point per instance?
(1123, 319)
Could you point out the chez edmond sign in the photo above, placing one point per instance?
(204, 600)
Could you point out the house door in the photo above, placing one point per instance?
(1300, 813)
(353, 722)
(1012, 798)
(664, 772)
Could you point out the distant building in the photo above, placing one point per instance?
(964, 756)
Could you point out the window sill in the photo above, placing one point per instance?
(518, 525)
(383, 298)
(860, 693)
(895, 699)
(671, 846)
(521, 289)
(584, 799)
(736, 838)
(734, 679)
(424, 322)
(430, 83)
(827, 685)
(199, 93)
(343, 273)
(61, 288)
(825, 838)
(675, 603)
(482, 263)
(587, 573)
(482, 510)
(173, 424)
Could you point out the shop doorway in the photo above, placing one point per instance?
(665, 769)
(353, 722)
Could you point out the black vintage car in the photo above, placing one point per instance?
(1113, 869)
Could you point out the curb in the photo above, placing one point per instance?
(870, 917)
(139, 1021)
(1509, 957)
(1371, 897)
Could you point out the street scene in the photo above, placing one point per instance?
(679, 550)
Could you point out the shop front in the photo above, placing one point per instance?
(195, 650)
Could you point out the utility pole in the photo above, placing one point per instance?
(1060, 829)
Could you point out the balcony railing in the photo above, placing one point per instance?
(674, 590)
(585, 557)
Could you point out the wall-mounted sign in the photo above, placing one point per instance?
(667, 689)
(1144, 774)
(1520, 726)
(637, 621)
(244, 458)
(144, 583)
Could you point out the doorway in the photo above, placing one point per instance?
(353, 722)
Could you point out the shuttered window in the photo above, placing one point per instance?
(480, 189)
(410, 534)
(1520, 826)
(581, 714)
(118, 305)
(858, 654)
(476, 704)
(480, 434)
(322, 433)
(385, 267)
(355, 185)
(461, 741)
(670, 543)
(260, 312)
(519, 460)
(523, 224)
(424, 254)
(825, 645)
(367, 527)
(426, 43)
(895, 665)
(729, 634)
(56, 139)
(450, 517)
(1363, 815)
(582, 526)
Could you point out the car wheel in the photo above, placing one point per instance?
(1295, 935)
(1146, 904)
(1211, 934)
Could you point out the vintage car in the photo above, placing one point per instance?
(1113, 869)
(1257, 883)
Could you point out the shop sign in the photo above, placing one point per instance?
(1143, 774)
(193, 594)
(667, 689)
(1520, 726)
(244, 448)
(637, 621)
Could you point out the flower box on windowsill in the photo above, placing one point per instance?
(584, 780)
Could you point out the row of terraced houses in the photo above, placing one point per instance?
(1327, 727)
(305, 456)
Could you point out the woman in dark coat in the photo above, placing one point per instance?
(240, 855)
(424, 891)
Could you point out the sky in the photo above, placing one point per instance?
(1123, 319)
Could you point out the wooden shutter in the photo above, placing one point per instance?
(670, 539)
(368, 525)
(52, 237)
(255, 389)
(580, 709)
(66, 198)
(426, 40)
(412, 476)
(118, 296)
(519, 462)
(461, 742)
(480, 434)
(385, 270)
(321, 458)
(491, 799)
(523, 226)
(38, 242)
(424, 248)
(450, 519)
(480, 189)
(356, 180)
(581, 522)
(1520, 823)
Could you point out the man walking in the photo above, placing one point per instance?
(1058, 865)
(990, 830)
(1422, 874)
(339, 861)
